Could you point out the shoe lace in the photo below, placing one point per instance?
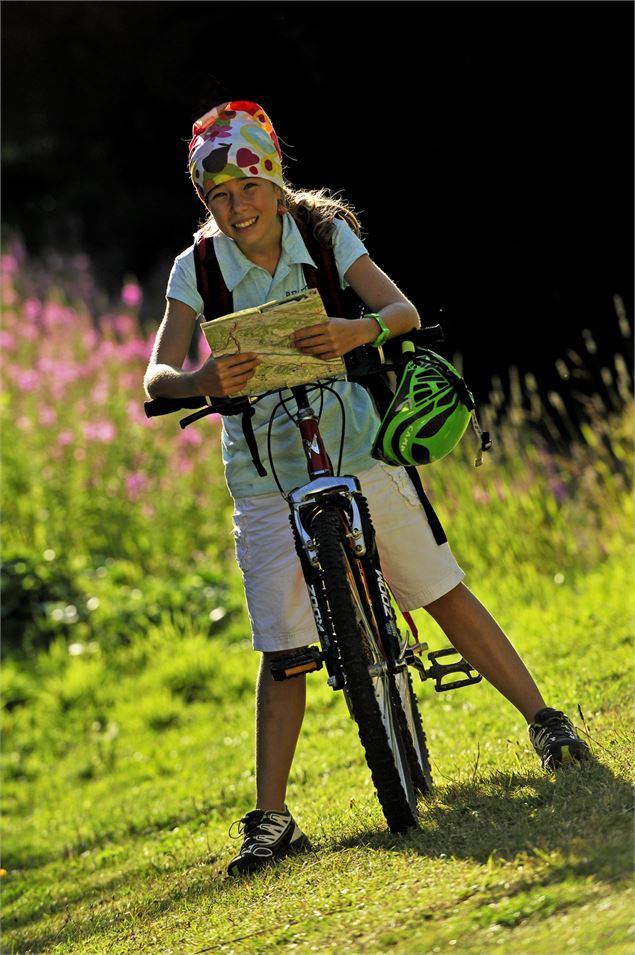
(552, 724)
(259, 825)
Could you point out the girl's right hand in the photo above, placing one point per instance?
(226, 376)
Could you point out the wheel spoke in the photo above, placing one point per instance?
(370, 689)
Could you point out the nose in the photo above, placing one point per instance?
(237, 200)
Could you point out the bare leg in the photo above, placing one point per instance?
(475, 634)
(279, 715)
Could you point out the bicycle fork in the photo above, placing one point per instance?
(344, 494)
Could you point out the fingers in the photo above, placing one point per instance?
(326, 341)
(234, 371)
(228, 374)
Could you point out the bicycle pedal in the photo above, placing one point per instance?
(412, 656)
(285, 668)
(439, 671)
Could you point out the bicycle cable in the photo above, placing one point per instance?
(340, 454)
(321, 387)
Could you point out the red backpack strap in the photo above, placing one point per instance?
(217, 299)
(325, 278)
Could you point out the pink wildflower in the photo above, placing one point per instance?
(8, 264)
(47, 416)
(136, 482)
(123, 325)
(184, 465)
(191, 437)
(131, 295)
(25, 380)
(32, 309)
(135, 412)
(102, 431)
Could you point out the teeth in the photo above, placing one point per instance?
(245, 224)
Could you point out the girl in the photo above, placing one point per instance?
(235, 165)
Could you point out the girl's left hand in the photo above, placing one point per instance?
(334, 338)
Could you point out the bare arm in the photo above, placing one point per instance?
(381, 295)
(165, 376)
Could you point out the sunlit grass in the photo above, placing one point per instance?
(128, 682)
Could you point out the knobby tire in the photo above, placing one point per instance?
(418, 755)
(348, 605)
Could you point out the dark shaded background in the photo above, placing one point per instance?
(488, 146)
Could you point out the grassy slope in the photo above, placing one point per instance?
(128, 743)
(121, 845)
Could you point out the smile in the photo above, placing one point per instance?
(245, 224)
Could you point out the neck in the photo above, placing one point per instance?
(267, 254)
(266, 259)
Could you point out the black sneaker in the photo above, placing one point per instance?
(267, 836)
(555, 740)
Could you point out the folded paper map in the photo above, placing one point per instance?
(266, 330)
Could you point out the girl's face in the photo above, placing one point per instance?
(246, 210)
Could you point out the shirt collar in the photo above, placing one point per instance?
(234, 265)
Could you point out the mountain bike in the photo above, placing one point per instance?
(358, 639)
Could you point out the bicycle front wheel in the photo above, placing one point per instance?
(369, 686)
(419, 756)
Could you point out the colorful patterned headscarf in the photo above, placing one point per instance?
(233, 141)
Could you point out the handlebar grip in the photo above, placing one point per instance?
(427, 334)
(161, 406)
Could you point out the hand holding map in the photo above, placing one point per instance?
(267, 331)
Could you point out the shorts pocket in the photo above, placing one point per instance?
(241, 541)
(406, 488)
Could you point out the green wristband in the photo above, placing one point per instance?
(384, 332)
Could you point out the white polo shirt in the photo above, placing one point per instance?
(251, 285)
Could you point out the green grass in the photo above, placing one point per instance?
(119, 836)
(128, 678)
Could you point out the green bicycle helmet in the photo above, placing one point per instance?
(429, 414)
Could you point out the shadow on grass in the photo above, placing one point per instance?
(584, 813)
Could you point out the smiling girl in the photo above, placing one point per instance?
(235, 165)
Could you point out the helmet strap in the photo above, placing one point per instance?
(485, 443)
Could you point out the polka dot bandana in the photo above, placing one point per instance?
(233, 141)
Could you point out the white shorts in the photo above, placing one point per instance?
(418, 570)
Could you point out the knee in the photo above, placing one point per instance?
(447, 600)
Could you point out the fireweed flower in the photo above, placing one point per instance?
(25, 380)
(104, 432)
(136, 414)
(191, 437)
(47, 416)
(123, 325)
(8, 264)
(136, 483)
(131, 295)
(7, 341)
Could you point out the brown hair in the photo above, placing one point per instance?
(317, 208)
(314, 208)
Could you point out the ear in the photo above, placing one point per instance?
(282, 206)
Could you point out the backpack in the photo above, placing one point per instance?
(217, 301)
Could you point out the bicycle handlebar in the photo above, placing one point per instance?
(361, 363)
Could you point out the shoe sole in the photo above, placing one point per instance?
(569, 754)
(294, 848)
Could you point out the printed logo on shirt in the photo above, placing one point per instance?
(296, 291)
